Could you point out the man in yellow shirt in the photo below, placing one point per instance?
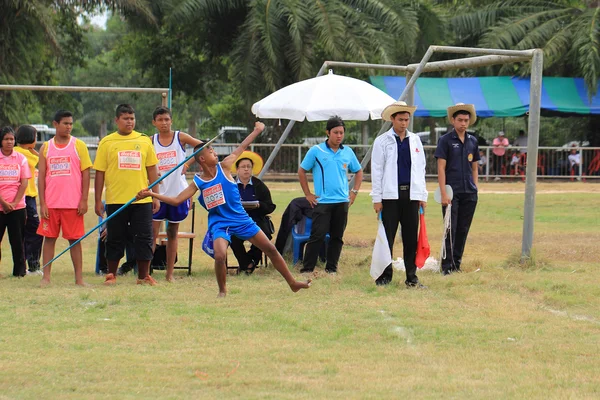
(126, 163)
(26, 139)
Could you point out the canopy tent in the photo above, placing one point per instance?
(501, 96)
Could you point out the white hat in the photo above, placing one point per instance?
(501, 133)
(470, 108)
(396, 107)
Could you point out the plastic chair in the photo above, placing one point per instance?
(300, 238)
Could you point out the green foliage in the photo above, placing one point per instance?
(567, 31)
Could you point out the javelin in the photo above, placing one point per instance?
(156, 182)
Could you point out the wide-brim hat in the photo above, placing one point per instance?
(470, 108)
(257, 162)
(396, 107)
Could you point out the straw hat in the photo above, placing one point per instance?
(470, 108)
(396, 107)
(257, 162)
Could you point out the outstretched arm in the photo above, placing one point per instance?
(230, 159)
(174, 201)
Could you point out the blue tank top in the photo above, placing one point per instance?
(221, 198)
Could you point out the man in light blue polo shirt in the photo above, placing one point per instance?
(329, 163)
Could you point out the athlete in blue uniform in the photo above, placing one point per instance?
(219, 195)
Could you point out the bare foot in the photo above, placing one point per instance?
(170, 279)
(44, 282)
(221, 294)
(297, 285)
(82, 284)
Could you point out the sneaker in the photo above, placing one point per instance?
(36, 272)
(147, 280)
(496, 179)
(110, 279)
(330, 272)
(383, 282)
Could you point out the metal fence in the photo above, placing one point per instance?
(553, 162)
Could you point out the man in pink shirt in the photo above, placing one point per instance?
(500, 144)
(64, 184)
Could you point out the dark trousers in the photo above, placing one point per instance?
(15, 222)
(463, 209)
(326, 218)
(254, 255)
(33, 241)
(136, 221)
(406, 213)
(498, 162)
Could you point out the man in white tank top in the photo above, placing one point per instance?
(170, 150)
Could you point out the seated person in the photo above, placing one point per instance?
(481, 164)
(256, 200)
(574, 161)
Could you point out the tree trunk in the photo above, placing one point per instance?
(192, 131)
(365, 133)
(103, 128)
(593, 134)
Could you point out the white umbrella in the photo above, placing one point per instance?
(320, 98)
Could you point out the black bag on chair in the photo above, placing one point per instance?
(159, 261)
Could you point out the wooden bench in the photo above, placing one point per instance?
(162, 237)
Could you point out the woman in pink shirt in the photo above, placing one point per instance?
(14, 173)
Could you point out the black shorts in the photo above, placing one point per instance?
(133, 223)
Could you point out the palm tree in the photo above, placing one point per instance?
(34, 37)
(282, 41)
(568, 31)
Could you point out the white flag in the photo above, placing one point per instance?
(381, 253)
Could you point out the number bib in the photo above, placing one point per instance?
(130, 159)
(9, 172)
(167, 160)
(213, 196)
(60, 166)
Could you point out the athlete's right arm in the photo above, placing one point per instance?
(174, 201)
(42, 183)
(230, 159)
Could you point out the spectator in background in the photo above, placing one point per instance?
(14, 173)
(481, 164)
(514, 163)
(26, 139)
(500, 144)
(521, 141)
(574, 161)
(256, 200)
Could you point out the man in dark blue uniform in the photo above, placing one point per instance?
(457, 154)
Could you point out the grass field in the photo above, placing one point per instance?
(499, 330)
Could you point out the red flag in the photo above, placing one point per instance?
(423, 249)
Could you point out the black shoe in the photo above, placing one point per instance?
(250, 270)
(415, 285)
(383, 282)
(306, 271)
(331, 272)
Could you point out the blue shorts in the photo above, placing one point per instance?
(244, 230)
(171, 213)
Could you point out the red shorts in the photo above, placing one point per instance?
(67, 218)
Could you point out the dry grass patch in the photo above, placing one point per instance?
(498, 330)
